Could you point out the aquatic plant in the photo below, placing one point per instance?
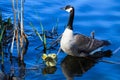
(50, 59)
(45, 35)
(42, 38)
(19, 35)
(1, 36)
(5, 29)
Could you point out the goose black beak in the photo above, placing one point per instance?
(63, 8)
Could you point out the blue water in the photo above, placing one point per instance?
(101, 16)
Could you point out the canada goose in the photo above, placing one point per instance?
(78, 44)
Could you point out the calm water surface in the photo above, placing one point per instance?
(101, 16)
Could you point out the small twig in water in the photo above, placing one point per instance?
(38, 47)
(111, 62)
(59, 51)
(56, 40)
(118, 49)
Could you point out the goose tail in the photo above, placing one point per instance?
(106, 42)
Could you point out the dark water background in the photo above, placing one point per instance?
(101, 16)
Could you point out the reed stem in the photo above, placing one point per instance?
(14, 11)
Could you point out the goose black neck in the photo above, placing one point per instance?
(71, 18)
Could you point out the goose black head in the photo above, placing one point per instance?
(68, 8)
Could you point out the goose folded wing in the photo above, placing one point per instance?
(87, 44)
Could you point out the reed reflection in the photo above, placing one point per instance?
(15, 72)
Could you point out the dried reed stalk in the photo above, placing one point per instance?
(21, 38)
(14, 11)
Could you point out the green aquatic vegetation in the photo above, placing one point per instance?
(4, 39)
(1, 27)
(42, 38)
(1, 32)
(1, 36)
(45, 35)
(50, 59)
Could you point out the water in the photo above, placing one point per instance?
(101, 16)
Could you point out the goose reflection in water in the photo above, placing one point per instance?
(76, 66)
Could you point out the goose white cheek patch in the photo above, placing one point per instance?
(69, 9)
